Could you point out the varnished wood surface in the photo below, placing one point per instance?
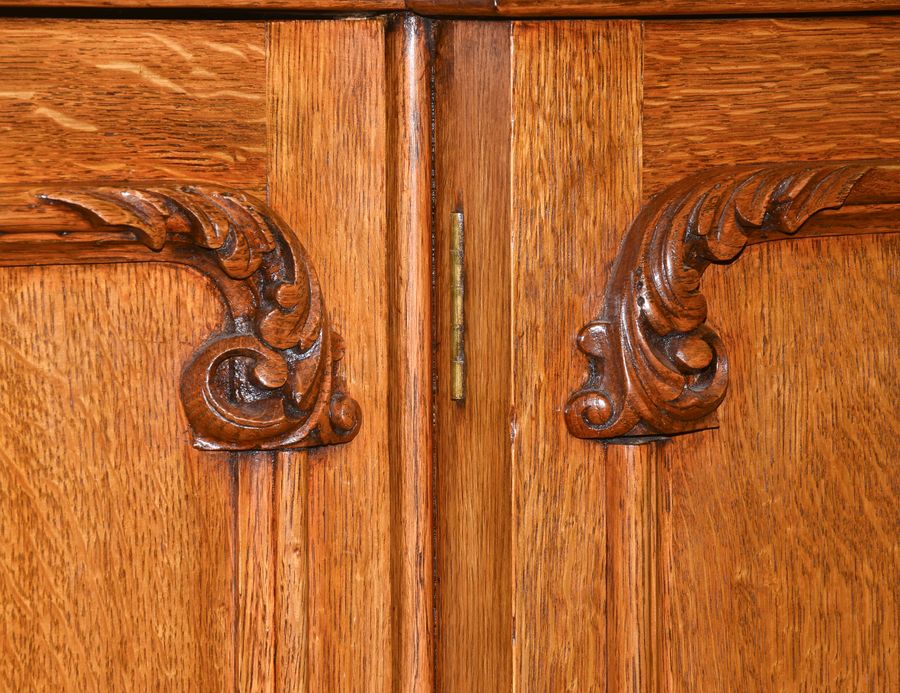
(780, 528)
(116, 545)
(265, 279)
(747, 91)
(410, 349)
(132, 100)
(566, 179)
(473, 489)
(774, 555)
(119, 543)
(255, 573)
(327, 113)
(291, 559)
(640, 8)
(634, 386)
(776, 530)
(318, 6)
(672, 591)
(504, 8)
(251, 573)
(570, 179)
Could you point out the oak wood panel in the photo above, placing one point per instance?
(632, 558)
(116, 545)
(410, 345)
(323, 6)
(640, 8)
(575, 182)
(255, 573)
(291, 557)
(777, 555)
(782, 525)
(507, 8)
(132, 100)
(327, 148)
(157, 530)
(473, 456)
(543, 202)
(746, 91)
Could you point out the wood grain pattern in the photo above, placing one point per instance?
(132, 100)
(571, 164)
(255, 572)
(115, 534)
(640, 8)
(519, 151)
(747, 91)
(473, 457)
(632, 614)
(122, 549)
(409, 350)
(776, 555)
(291, 558)
(506, 8)
(780, 528)
(330, 6)
(576, 168)
(327, 113)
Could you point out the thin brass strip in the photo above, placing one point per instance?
(457, 310)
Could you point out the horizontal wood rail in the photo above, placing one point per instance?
(655, 366)
(270, 379)
(488, 8)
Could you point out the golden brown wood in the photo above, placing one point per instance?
(693, 83)
(409, 350)
(118, 549)
(327, 113)
(506, 8)
(255, 573)
(775, 565)
(744, 91)
(640, 8)
(779, 529)
(655, 366)
(631, 596)
(570, 178)
(198, 568)
(115, 534)
(321, 6)
(127, 100)
(538, 494)
(291, 549)
(472, 480)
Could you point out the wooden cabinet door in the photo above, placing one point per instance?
(760, 554)
(131, 560)
(179, 506)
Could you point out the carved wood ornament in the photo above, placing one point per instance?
(655, 366)
(270, 379)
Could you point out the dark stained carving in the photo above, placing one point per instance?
(270, 380)
(655, 366)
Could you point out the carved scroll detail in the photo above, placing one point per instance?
(655, 366)
(270, 380)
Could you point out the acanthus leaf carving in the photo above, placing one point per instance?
(654, 366)
(271, 379)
